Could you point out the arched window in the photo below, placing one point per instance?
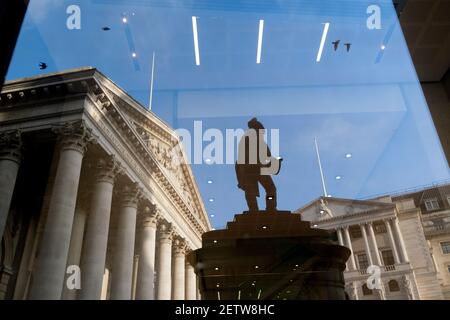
(366, 291)
(393, 286)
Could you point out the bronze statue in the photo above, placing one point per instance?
(255, 165)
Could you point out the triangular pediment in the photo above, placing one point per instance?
(161, 141)
(328, 207)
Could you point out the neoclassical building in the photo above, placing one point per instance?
(91, 204)
(407, 236)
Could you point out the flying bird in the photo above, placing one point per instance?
(348, 46)
(42, 65)
(336, 44)
(106, 28)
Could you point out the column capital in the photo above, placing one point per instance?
(11, 145)
(179, 246)
(387, 219)
(74, 135)
(131, 194)
(149, 216)
(107, 169)
(166, 231)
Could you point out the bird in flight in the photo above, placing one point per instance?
(348, 46)
(336, 44)
(42, 65)
(106, 28)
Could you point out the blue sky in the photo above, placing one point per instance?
(366, 102)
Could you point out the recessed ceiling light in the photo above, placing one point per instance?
(212, 216)
(256, 267)
(322, 41)
(195, 34)
(211, 200)
(134, 55)
(338, 178)
(315, 226)
(348, 155)
(264, 227)
(216, 268)
(296, 265)
(383, 47)
(215, 241)
(124, 20)
(217, 285)
(260, 38)
(210, 181)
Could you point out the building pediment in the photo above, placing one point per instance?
(325, 208)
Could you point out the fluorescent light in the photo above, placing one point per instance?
(322, 42)
(260, 37)
(195, 33)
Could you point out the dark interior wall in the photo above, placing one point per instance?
(438, 98)
(12, 13)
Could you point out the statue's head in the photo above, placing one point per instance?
(255, 124)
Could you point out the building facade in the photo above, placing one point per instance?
(406, 237)
(92, 205)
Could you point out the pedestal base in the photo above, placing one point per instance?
(270, 255)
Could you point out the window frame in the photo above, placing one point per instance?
(397, 286)
(359, 261)
(391, 256)
(430, 202)
(447, 243)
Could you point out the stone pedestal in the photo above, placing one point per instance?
(269, 256)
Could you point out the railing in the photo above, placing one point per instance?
(437, 228)
(389, 268)
(385, 268)
(397, 193)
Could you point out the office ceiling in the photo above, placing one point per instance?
(426, 26)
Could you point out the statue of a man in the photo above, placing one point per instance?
(255, 165)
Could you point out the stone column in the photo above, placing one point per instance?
(122, 271)
(341, 242)
(398, 234)
(145, 287)
(374, 244)
(10, 155)
(366, 243)
(76, 242)
(339, 235)
(50, 267)
(179, 262)
(392, 241)
(352, 263)
(97, 230)
(164, 269)
(190, 282)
